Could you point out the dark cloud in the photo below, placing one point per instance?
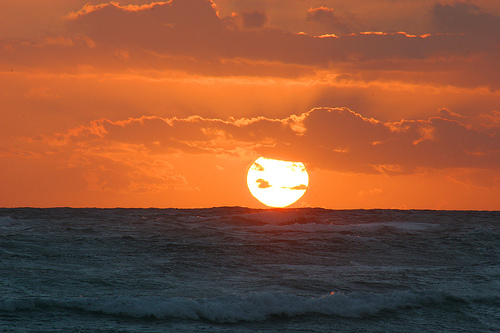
(256, 166)
(328, 22)
(327, 138)
(189, 36)
(187, 26)
(193, 28)
(465, 17)
(340, 139)
(450, 115)
(263, 183)
(301, 187)
(255, 19)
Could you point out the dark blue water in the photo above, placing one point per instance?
(238, 269)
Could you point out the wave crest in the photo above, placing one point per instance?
(231, 309)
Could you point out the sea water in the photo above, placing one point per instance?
(235, 269)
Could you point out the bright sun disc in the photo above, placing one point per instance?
(277, 183)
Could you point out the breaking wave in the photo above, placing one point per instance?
(231, 309)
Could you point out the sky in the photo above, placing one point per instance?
(389, 104)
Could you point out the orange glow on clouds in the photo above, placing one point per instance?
(167, 103)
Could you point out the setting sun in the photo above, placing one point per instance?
(277, 183)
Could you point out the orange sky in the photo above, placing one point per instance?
(166, 104)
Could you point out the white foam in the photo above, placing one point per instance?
(254, 307)
(258, 307)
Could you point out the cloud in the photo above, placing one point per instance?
(300, 187)
(327, 21)
(465, 17)
(190, 36)
(181, 27)
(336, 139)
(256, 166)
(254, 19)
(263, 183)
(448, 114)
(345, 141)
(193, 28)
(88, 8)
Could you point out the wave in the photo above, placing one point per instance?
(276, 217)
(7, 221)
(231, 309)
(309, 220)
(8, 225)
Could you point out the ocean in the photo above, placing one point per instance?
(234, 269)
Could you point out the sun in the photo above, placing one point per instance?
(277, 183)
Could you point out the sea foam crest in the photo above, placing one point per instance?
(230, 309)
(9, 225)
(7, 221)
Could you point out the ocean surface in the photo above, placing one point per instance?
(235, 269)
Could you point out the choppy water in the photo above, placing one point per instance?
(238, 269)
